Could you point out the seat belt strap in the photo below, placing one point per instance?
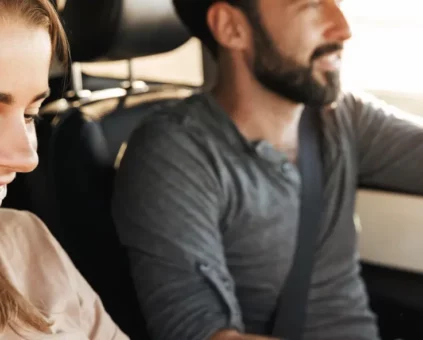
(290, 316)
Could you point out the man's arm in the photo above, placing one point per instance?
(390, 146)
(167, 208)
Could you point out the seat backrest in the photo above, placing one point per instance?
(84, 154)
(121, 29)
(89, 136)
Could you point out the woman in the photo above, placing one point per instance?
(42, 295)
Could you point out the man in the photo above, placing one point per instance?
(207, 199)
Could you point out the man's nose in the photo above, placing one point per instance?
(18, 145)
(339, 28)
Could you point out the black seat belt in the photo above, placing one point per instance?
(291, 311)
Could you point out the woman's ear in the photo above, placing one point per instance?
(229, 26)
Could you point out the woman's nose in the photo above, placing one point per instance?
(18, 145)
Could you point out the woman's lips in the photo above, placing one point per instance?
(3, 192)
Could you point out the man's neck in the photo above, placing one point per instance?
(260, 114)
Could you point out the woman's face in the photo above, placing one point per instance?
(25, 54)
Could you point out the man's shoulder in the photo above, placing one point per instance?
(180, 122)
(179, 113)
(347, 101)
(349, 109)
(176, 132)
(356, 101)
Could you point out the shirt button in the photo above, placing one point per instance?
(204, 267)
(286, 166)
(227, 283)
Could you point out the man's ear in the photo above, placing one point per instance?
(229, 26)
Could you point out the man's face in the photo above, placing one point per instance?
(297, 48)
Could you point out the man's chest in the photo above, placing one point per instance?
(261, 207)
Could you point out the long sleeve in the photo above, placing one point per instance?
(167, 211)
(378, 146)
(390, 146)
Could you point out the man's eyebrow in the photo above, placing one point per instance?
(8, 99)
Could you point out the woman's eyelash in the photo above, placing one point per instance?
(315, 3)
(32, 118)
(311, 4)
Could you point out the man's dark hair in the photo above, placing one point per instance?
(193, 14)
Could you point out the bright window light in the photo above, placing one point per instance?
(385, 53)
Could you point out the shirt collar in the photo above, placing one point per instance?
(261, 148)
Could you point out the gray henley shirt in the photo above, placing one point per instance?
(210, 220)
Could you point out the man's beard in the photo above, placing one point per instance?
(285, 77)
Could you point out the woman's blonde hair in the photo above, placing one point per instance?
(15, 310)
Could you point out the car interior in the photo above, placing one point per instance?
(82, 137)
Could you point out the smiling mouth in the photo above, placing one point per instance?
(3, 192)
(330, 62)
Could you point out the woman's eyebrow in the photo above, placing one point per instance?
(41, 96)
(8, 99)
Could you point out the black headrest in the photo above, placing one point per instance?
(121, 29)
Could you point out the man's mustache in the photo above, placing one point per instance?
(326, 49)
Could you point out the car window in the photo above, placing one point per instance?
(182, 65)
(385, 56)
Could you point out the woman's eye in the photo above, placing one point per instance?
(313, 3)
(32, 118)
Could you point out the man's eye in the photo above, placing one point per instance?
(32, 118)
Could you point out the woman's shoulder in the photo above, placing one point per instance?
(24, 233)
(41, 270)
(22, 229)
(31, 257)
(34, 262)
(11, 218)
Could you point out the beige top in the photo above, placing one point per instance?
(40, 269)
